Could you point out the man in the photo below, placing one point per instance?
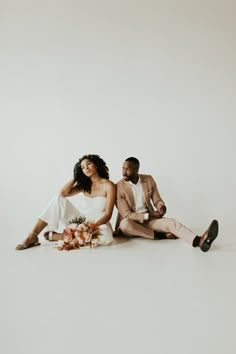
(141, 211)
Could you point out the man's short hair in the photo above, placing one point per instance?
(134, 161)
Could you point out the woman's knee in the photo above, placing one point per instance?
(106, 236)
(57, 198)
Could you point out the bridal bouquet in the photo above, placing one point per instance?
(81, 233)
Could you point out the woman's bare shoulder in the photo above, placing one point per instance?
(109, 184)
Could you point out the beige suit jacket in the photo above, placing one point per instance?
(125, 199)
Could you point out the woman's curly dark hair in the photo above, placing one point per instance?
(84, 182)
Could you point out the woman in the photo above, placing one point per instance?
(91, 178)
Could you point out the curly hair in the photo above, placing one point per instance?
(84, 182)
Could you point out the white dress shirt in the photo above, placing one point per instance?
(140, 203)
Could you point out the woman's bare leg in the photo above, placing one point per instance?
(33, 235)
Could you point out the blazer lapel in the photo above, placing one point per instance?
(130, 194)
(145, 189)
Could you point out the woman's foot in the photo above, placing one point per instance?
(30, 241)
(52, 236)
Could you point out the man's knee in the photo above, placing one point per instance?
(173, 224)
(126, 225)
(172, 221)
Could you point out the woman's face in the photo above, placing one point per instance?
(88, 167)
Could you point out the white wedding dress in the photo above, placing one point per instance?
(61, 210)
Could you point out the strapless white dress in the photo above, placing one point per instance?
(61, 210)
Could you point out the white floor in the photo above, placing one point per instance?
(134, 296)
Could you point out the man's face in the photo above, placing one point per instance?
(129, 171)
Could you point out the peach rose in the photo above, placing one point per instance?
(69, 230)
(77, 234)
(81, 227)
(67, 237)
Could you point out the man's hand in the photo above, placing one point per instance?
(154, 215)
(162, 210)
(159, 213)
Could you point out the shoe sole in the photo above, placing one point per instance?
(212, 234)
(25, 247)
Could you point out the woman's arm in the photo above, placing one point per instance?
(69, 189)
(111, 196)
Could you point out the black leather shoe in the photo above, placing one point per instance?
(209, 236)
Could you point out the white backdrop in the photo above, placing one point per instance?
(151, 79)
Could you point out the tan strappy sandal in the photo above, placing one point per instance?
(24, 245)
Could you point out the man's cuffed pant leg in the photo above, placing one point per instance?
(173, 226)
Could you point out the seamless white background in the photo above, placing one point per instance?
(151, 79)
